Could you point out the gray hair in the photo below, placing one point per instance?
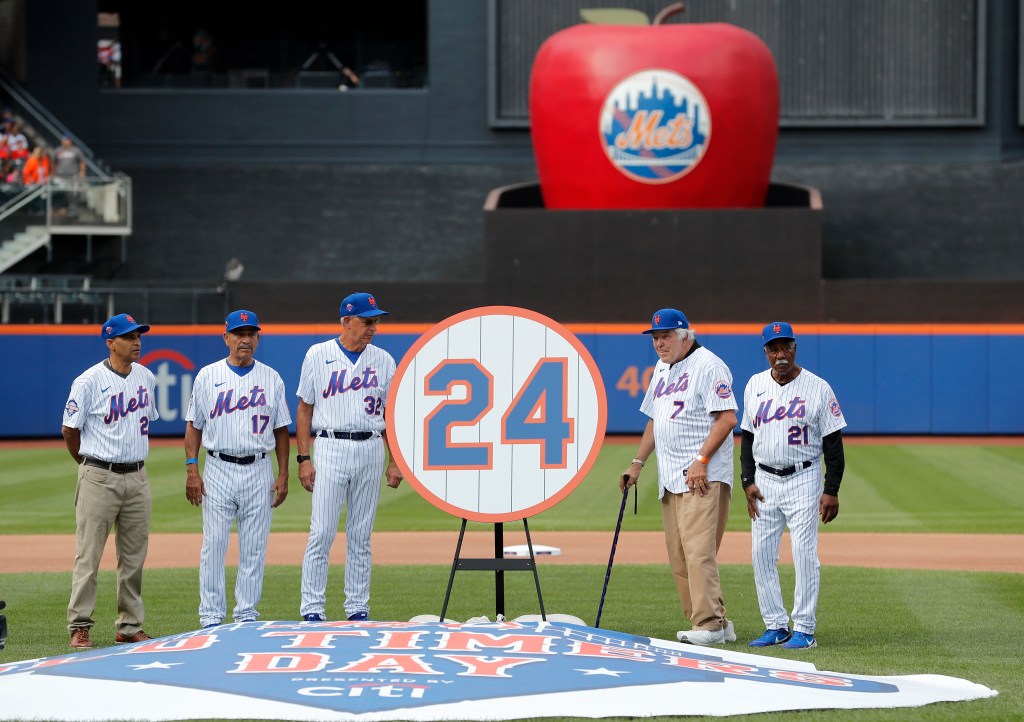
(686, 334)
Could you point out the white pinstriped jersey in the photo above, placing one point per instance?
(113, 412)
(238, 413)
(788, 422)
(346, 396)
(680, 400)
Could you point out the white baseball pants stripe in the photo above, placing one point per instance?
(348, 473)
(788, 501)
(242, 493)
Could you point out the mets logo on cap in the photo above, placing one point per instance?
(655, 126)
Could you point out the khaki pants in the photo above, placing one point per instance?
(694, 527)
(104, 499)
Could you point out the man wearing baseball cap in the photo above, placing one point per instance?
(239, 413)
(692, 414)
(342, 393)
(106, 429)
(790, 418)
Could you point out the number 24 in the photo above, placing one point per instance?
(537, 414)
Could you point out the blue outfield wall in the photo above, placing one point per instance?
(888, 382)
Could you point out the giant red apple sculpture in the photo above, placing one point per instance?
(660, 116)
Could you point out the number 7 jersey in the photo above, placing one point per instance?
(346, 396)
(788, 422)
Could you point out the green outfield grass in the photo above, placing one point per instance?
(871, 621)
(888, 488)
(878, 622)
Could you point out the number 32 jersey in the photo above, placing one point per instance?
(788, 422)
(346, 396)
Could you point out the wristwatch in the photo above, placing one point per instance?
(300, 458)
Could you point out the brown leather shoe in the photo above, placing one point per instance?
(80, 638)
(139, 636)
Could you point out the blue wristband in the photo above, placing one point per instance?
(191, 461)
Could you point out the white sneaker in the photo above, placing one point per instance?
(702, 637)
(730, 632)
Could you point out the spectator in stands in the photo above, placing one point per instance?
(10, 180)
(17, 144)
(37, 167)
(68, 175)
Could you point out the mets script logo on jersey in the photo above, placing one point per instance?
(71, 408)
(723, 389)
(119, 409)
(338, 384)
(767, 411)
(676, 387)
(833, 407)
(226, 404)
(655, 126)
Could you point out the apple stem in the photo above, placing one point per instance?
(666, 13)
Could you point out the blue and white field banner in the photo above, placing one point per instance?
(434, 671)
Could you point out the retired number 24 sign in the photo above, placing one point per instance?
(496, 414)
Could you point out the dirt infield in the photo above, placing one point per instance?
(975, 552)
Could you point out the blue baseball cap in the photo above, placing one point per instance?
(241, 319)
(119, 325)
(776, 329)
(667, 319)
(363, 305)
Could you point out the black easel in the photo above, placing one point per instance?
(499, 564)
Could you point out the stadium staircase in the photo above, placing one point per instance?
(98, 205)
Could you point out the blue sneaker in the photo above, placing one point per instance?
(359, 617)
(313, 618)
(800, 640)
(770, 638)
(209, 626)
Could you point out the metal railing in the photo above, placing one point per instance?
(75, 299)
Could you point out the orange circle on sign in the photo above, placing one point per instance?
(496, 414)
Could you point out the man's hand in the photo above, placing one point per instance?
(307, 475)
(697, 478)
(753, 497)
(280, 490)
(393, 474)
(629, 477)
(828, 508)
(195, 490)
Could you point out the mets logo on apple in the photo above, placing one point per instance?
(655, 126)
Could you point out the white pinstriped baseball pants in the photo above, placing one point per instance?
(348, 473)
(243, 493)
(791, 501)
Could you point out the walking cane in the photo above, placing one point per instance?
(611, 557)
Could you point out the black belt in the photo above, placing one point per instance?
(114, 466)
(243, 460)
(788, 471)
(349, 435)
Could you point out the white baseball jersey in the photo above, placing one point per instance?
(788, 422)
(345, 396)
(237, 410)
(113, 412)
(681, 399)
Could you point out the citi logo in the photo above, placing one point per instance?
(174, 374)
